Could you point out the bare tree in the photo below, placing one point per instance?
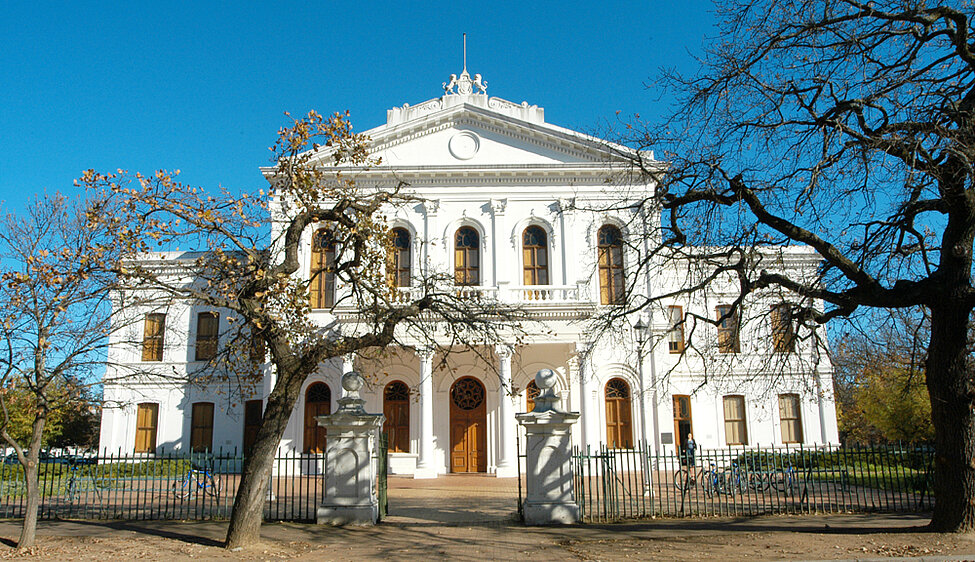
(56, 318)
(844, 126)
(250, 261)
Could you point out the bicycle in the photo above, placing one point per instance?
(786, 480)
(197, 479)
(688, 478)
(79, 470)
(709, 478)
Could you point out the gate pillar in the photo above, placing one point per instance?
(350, 492)
(549, 497)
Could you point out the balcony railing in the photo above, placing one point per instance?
(512, 294)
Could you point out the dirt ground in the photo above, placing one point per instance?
(767, 538)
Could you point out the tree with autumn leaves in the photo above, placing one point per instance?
(57, 313)
(847, 127)
(248, 265)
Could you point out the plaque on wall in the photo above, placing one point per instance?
(666, 438)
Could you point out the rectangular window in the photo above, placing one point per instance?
(735, 431)
(201, 433)
(791, 417)
(783, 329)
(253, 413)
(152, 339)
(675, 338)
(146, 421)
(207, 334)
(728, 340)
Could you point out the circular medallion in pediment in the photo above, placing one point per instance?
(464, 145)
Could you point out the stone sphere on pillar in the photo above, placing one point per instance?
(352, 382)
(545, 379)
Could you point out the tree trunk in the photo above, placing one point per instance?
(248, 512)
(951, 388)
(28, 532)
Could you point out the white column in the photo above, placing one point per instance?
(425, 465)
(585, 400)
(507, 465)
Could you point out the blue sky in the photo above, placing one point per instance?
(202, 86)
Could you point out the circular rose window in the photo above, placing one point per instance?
(464, 145)
(467, 394)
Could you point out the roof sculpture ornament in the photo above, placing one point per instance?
(464, 84)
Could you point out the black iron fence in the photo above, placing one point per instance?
(612, 484)
(161, 486)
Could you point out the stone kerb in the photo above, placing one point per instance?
(549, 482)
(350, 494)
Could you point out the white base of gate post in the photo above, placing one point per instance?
(549, 497)
(559, 513)
(506, 471)
(350, 491)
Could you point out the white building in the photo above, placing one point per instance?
(509, 205)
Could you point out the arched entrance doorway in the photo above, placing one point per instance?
(318, 402)
(468, 426)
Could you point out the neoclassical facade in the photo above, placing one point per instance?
(526, 212)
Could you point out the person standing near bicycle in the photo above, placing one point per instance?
(689, 451)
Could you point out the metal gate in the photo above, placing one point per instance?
(382, 462)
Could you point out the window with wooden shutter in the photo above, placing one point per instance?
(321, 289)
(146, 422)
(619, 430)
(396, 408)
(253, 414)
(467, 257)
(399, 263)
(735, 430)
(790, 416)
(728, 340)
(610, 257)
(153, 337)
(675, 337)
(535, 256)
(783, 329)
(207, 335)
(201, 427)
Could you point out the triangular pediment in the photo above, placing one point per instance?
(477, 131)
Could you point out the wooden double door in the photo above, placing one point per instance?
(468, 426)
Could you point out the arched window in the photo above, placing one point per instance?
(534, 245)
(318, 402)
(467, 258)
(398, 268)
(322, 288)
(396, 408)
(610, 249)
(531, 393)
(619, 431)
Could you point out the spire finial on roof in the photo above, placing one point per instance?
(464, 84)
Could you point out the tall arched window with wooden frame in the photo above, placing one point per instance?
(534, 244)
(610, 252)
(396, 408)
(322, 275)
(318, 402)
(398, 267)
(619, 427)
(467, 256)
